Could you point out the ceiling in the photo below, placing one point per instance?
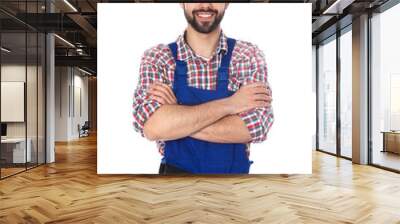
(76, 22)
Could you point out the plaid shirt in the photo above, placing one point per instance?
(247, 65)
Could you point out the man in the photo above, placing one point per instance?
(203, 98)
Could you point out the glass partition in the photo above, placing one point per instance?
(346, 93)
(14, 153)
(22, 77)
(385, 89)
(41, 109)
(327, 96)
(31, 100)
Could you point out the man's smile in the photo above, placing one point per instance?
(204, 16)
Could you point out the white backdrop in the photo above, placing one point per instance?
(282, 31)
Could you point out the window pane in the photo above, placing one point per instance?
(14, 150)
(386, 88)
(22, 90)
(346, 93)
(327, 96)
(31, 100)
(41, 98)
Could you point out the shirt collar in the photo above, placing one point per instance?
(185, 51)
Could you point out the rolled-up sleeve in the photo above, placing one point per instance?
(258, 120)
(144, 107)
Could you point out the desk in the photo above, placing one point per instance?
(391, 141)
(15, 148)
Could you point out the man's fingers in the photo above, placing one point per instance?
(262, 104)
(263, 97)
(159, 99)
(169, 90)
(165, 89)
(159, 91)
(171, 93)
(258, 87)
(259, 90)
(155, 92)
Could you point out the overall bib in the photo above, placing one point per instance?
(197, 156)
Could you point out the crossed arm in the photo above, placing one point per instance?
(230, 129)
(214, 121)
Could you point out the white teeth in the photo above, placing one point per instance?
(204, 15)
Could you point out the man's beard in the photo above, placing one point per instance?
(204, 27)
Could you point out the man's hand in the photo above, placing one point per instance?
(251, 96)
(162, 93)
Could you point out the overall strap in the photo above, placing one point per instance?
(180, 75)
(223, 71)
(226, 59)
(174, 49)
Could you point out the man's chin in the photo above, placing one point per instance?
(204, 29)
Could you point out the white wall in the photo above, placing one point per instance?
(17, 72)
(80, 97)
(70, 83)
(14, 73)
(61, 103)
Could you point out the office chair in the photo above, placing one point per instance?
(84, 130)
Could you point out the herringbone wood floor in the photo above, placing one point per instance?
(70, 191)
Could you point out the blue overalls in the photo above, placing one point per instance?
(198, 156)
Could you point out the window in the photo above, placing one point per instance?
(346, 93)
(327, 96)
(385, 89)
